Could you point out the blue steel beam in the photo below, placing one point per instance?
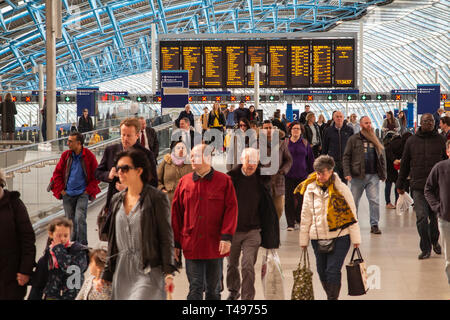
(93, 4)
(251, 13)
(163, 16)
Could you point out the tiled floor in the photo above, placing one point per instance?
(392, 256)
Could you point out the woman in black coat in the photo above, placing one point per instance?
(8, 110)
(17, 245)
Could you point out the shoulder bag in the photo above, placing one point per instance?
(324, 245)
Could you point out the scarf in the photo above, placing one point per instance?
(339, 214)
(177, 160)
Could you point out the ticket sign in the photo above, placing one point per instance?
(428, 98)
(213, 76)
(322, 64)
(170, 57)
(256, 54)
(235, 66)
(300, 56)
(278, 65)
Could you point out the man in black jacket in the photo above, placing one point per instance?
(148, 138)
(302, 119)
(186, 113)
(241, 112)
(106, 171)
(422, 151)
(257, 224)
(334, 141)
(85, 122)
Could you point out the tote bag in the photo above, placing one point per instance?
(303, 284)
(356, 275)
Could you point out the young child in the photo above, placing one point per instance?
(60, 272)
(92, 288)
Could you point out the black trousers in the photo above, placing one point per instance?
(292, 203)
(339, 169)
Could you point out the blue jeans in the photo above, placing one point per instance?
(426, 221)
(204, 275)
(370, 183)
(387, 192)
(75, 209)
(329, 265)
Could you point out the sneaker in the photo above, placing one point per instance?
(290, 229)
(424, 255)
(375, 230)
(390, 206)
(437, 248)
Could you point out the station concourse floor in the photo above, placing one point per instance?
(391, 255)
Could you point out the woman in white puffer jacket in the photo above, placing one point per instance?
(324, 219)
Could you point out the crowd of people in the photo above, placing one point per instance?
(156, 214)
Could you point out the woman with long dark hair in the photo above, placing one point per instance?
(390, 123)
(140, 246)
(8, 111)
(403, 121)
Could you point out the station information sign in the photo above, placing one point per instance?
(192, 61)
(170, 58)
(235, 66)
(256, 54)
(290, 64)
(344, 63)
(278, 65)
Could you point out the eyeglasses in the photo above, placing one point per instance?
(124, 168)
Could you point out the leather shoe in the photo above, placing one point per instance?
(375, 230)
(437, 248)
(424, 255)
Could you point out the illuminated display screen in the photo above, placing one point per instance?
(170, 58)
(321, 64)
(256, 54)
(192, 61)
(303, 63)
(213, 76)
(235, 66)
(300, 75)
(344, 60)
(278, 68)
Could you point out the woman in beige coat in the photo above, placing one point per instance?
(172, 168)
(328, 212)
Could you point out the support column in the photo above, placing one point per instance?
(41, 97)
(154, 68)
(256, 85)
(361, 56)
(50, 16)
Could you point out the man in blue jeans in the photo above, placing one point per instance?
(364, 163)
(74, 182)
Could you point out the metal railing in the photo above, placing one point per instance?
(33, 167)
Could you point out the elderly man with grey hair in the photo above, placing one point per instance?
(257, 224)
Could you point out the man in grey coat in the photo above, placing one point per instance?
(365, 165)
(437, 191)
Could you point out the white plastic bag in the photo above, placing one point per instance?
(272, 276)
(403, 203)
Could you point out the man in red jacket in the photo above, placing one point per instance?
(204, 219)
(74, 182)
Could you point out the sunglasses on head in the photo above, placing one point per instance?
(124, 168)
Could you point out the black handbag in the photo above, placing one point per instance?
(324, 245)
(356, 275)
(101, 221)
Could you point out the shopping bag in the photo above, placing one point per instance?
(403, 203)
(272, 276)
(356, 275)
(303, 284)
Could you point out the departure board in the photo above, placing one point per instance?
(344, 59)
(278, 68)
(290, 63)
(235, 66)
(256, 54)
(170, 58)
(192, 61)
(321, 64)
(213, 75)
(300, 75)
